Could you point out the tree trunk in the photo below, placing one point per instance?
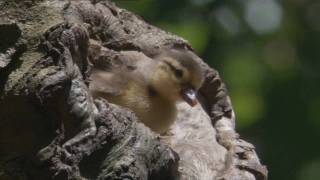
(51, 128)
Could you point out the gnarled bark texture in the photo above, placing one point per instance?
(51, 128)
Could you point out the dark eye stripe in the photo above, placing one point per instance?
(177, 72)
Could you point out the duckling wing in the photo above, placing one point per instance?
(113, 77)
(109, 76)
(105, 83)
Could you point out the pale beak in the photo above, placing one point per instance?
(189, 95)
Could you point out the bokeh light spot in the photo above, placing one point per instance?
(263, 16)
(281, 57)
(228, 20)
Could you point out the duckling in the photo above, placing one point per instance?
(150, 87)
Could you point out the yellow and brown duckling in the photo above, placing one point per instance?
(150, 87)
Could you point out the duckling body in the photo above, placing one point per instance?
(156, 112)
(148, 87)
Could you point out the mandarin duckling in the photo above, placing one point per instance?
(150, 87)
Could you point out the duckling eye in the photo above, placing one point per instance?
(178, 73)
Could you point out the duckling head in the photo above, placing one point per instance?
(177, 76)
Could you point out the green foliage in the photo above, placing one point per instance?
(196, 33)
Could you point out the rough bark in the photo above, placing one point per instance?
(50, 127)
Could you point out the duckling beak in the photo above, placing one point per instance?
(189, 95)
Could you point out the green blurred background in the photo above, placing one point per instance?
(268, 53)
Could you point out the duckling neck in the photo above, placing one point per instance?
(155, 93)
(163, 112)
